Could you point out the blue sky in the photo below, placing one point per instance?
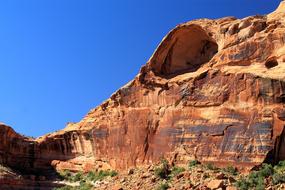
(60, 58)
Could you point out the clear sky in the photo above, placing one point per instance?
(60, 58)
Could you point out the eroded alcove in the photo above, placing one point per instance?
(183, 50)
(271, 63)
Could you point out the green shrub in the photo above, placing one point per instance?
(113, 173)
(96, 176)
(163, 186)
(242, 184)
(77, 177)
(280, 167)
(85, 186)
(84, 179)
(281, 164)
(230, 170)
(278, 178)
(260, 183)
(254, 180)
(65, 175)
(176, 170)
(91, 176)
(193, 163)
(105, 173)
(163, 170)
(102, 174)
(210, 166)
(164, 162)
(266, 170)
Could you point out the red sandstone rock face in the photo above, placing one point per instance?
(15, 150)
(214, 90)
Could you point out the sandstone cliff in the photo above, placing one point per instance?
(214, 91)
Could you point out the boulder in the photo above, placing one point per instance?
(215, 184)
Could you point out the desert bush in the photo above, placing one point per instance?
(77, 177)
(104, 173)
(84, 179)
(164, 162)
(192, 163)
(176, 170)
(255, 180)
(69, 176)
(266, 170)
(96, 176)
(113, 173)
(278, 178)
(251, 182)
(230, 170)
(242, 184)
(210, 166)
(85, 186)
(163, 170)
(260, 185)
(65, 174)
(163, 186)
(280, 167)
(91, 176)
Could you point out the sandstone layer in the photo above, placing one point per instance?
(213, 91)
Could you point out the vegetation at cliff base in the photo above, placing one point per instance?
(165, 175)
(165, 171)
(85, 180)
(257, 179)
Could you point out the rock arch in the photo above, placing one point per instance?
(185, 49)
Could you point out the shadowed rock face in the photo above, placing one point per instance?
(14, 144)
(214, 90)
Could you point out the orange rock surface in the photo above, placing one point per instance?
(214, 91)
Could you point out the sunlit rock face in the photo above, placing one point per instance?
(214, 90)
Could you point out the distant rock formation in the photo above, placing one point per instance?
(214, 91)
